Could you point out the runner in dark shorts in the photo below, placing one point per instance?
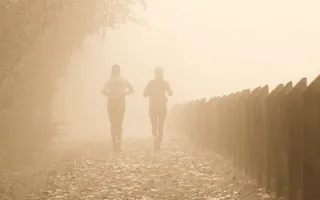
(157, 91)
(116, 89)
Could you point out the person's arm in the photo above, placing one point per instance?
(169, 90)
(130, 88)
(105, 90)
(147, 90)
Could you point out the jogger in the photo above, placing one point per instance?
(116, 89)
(156, 90)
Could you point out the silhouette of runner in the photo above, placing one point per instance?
(116, 89)
(156, 90)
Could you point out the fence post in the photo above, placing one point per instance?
(210, 123)
(243, 128)
(196, 134)
(218, 125)
(230, 125)
(311, 140)
(270, 129)
(259, 148)
(237, 136)
(293, 137)
(235, 129)
(202, 122)
(279, 156)
(250, 135)
(281, 132)
(223, 126)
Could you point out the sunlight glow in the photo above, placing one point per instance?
(207, 48)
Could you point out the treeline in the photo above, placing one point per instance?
(272, 136)
(37, 39)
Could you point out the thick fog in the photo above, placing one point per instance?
(206, 48)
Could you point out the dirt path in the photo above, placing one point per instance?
(90, 171)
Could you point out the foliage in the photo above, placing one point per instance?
(22, 22)
(37, 38)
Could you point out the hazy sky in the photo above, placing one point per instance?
(207, 48)
(228, 45)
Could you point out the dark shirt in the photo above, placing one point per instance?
(157, 90)
(116, 88)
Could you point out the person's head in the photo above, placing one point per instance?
(115, 70)
(158, 72)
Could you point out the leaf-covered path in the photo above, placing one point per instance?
(178, 171)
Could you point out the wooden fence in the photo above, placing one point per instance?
(273, 136)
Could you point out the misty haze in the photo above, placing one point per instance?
(224, 101)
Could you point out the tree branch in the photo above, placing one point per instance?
(12, 24)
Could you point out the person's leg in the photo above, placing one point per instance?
(112, 119)
(162, 117)
(120, 117)
(154, 121)
(153, 114)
